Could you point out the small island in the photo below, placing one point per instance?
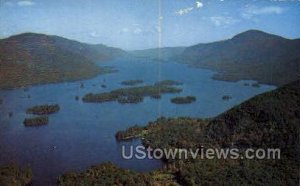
(130, 99)
(156, 96)
(132, 82)
(131, 95)
(168, 83)
(183, 100)
(43, 109)
(256, 85)
(37, 121)
(226, 97)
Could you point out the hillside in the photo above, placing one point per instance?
(269, 120)
(253, 55)
(167, 53)
(29, 59)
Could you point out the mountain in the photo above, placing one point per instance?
(30, 58)
(253, 55)
(166, 53)
(267, 120)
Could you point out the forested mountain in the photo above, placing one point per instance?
(30, 58)
(253, 54)
(166, 53)
(267, 121)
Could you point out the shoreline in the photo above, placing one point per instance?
(101, 72)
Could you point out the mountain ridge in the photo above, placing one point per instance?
(165, 53)
(30, 58)
(251, 55)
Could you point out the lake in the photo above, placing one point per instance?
(82, 134)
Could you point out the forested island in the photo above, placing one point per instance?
(183, 100)
(43, 109)
(168, 83)
(226, 97)
(37, 121)
(133, 94)
(132, 82)
(251, 124)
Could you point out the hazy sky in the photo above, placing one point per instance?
(133, 24)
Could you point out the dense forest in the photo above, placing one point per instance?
(269, 120)
(43, 109)
(11, 175)
(29, 58)
(253, 55)
(134, 94)
(132, 82)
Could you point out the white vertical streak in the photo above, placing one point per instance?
(160, 19)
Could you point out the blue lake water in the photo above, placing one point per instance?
(82, 134)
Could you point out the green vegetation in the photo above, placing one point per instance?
(130, 99)
(104, 174)
(12, 175)
(109, 174)
(249, 55)
(269, 120)
(29, 59)
(131, 95)
(226, 97)
(43, 109)
(183, 100)
(37, 121)
(132, 82)
(162, 54)
(181, 132)
(168, 83)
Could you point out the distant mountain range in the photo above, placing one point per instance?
(251, 55)
(276, 113)
(267, 122)
(167, 53)
(30, 58)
